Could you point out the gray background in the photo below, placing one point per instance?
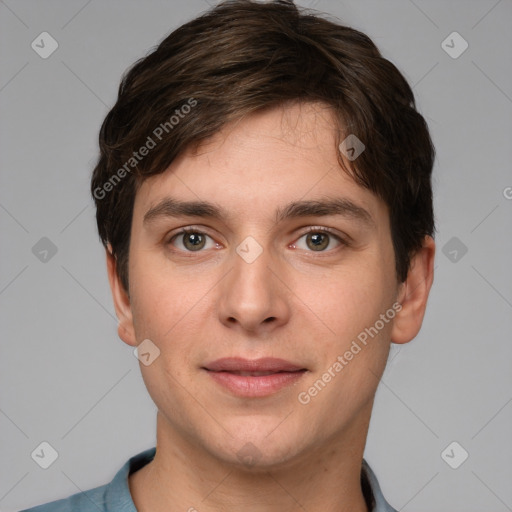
(65, 376)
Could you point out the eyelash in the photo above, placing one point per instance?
(311, 229)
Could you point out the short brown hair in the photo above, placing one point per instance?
(243, 56)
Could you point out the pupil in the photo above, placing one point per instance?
(194, 241)
(318, 241)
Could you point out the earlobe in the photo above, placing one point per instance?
(413, 294)
(121, 300)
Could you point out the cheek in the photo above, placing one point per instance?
(352, 356)
(173, 312)
(347, 301)
(159, 297)
(350, 305)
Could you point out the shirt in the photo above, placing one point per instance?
(116, 497)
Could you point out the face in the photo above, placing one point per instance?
(260, 308)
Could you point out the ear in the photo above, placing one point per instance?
(413, 293)
(122, 304)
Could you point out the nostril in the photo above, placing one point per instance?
(269, 319)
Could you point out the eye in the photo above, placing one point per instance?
(192, 241)
(318, 240)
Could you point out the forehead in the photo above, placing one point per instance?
(261, 163)
(305, 131)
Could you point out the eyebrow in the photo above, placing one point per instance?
(322, 208)
(171, 207)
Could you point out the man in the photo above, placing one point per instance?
(263, 193)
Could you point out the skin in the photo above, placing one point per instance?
(293, 302)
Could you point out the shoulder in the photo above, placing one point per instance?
(113, 497)
(88, 501)
(376, 501)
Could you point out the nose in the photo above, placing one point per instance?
(253, 297)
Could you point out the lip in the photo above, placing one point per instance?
(254, 377)
(264, 364)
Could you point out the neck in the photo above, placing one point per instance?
(185, 477)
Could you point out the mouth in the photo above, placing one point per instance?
(263, 365)
(254, 378)
(256, 374)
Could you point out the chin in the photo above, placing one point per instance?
(266, 449)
